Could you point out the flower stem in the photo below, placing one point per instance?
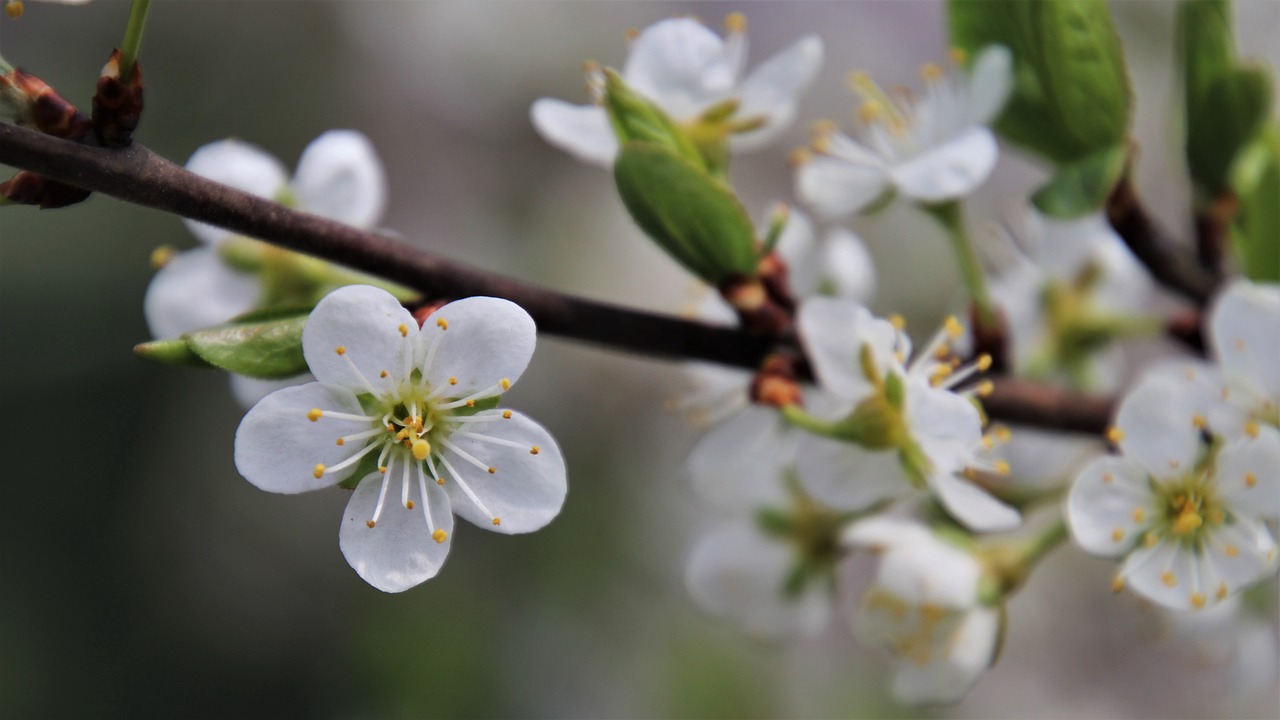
(5, 67)
(133, 38)
(1034, 550)
(951, 215)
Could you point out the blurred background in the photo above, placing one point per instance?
(141, 576)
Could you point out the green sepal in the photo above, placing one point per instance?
(173, 351)
(1232, 112)
(1256, 230)
(775, 522)
(691, 215)
(1082, 186)
(267, 347)
(635, 119)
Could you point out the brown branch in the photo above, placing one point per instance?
(139, 176)
(1170, 264)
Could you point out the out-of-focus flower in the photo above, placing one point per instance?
(1185, 507)
(697, 79)
(930, 148)
(924, 607)
(1244, 332)
(407, 417)
(899, 425)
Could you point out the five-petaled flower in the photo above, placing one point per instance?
(408, 415)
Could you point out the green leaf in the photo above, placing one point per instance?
(1234, 107)
(1206, 48)
(635, 119)
(1256, 231)
(1081, 187)
(174, 351)
(268, 349)
(692, 216)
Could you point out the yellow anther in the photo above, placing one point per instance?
(1231, 550)
(315, 414)
(957, 55)
(341, 349)
(1139, 515)
(931, 72)
(1002, 433)
(506, 414)
(1189, 374)
(1199, 422)
(984, 363)
(161, 255)
(535, 450)
(1117, 583)
(370, 524)
(14, 9)
(404, 330)
(988, 442)
(799, 157)
(1151, 538)
(871, 111)
(440, 481)
(1115, 434)
(1187, 522)
(439, 535)
(1117, 534)
(1108, 478)
(1197, 601)
(382, 469)
(421, 449)
(318, 472)
(898, 322)
(340, 441)
(821, 144)
(985, 388)
(1222, 591)
(1250, 479)
(442, 323)
(970, 474)
(453, 380)
(408, 504)
(505, 383)
(824, 127)
(1251, 428)
(735, 22)
(1169, 579)
(383, 374)
(1217, 517)
(471, 403)
(860, 81)
(953, 327)
(497, 521)
(1002, 467)
(493, 470)
(629, 35)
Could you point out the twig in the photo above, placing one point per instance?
(1170, 264)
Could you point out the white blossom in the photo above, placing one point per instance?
(412, 410)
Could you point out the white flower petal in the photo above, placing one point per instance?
(848, 266)
(990, 82)
(930, 571)
(772, 89)
(946, 426)
(373, 331)
(278, 446)
(833, 332)
(1109, 506)
(526, 489)
(196, 290)
(583, 131)
(736, 572)
(398, 552)
(479, 341)
(949, 676)
(832, 187)
(846, 476)
(950, 170)
(974, 507)
(1248, 474)
(1161, 573)
(680, 65)
(1157, 419)
(796, 244)
(886, 532)
(340, 177)
(1239, 555)
(249, 391)
(1244, 325)
(242, 166)
(739, 463)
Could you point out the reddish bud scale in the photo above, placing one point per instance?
(117, 105)
(774, 275)
(775, 384)
(45, 109)
(27, 188)
(755, 307)
(422, 312)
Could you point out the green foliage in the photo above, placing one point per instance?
(1071, 93)
(1256, 231)
(267, 348)
(1081, 186)
(174, 351)
(635, 119)
(694, 217)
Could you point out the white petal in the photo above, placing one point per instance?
(583, 131)
(832, 187)
(680, 65)
(195, 290)
(833, 332)
(848, 266)
(946, 426)
(947, 677)
(372, 329)
(736, 572)
(931, 571)
(796, 243)
(249, 391)
(479, 341)
(846, 476)
(1110, 506)
(1158, 422)
(526, 490)
(242, 166)
(886, 532)
(1244, 325)
(1248, 474)
(974, 507)
(990, 82)
(1239, 555)
(739, 463)
(278, 446)
(948, 171)
(773, 88)
(398, 552)
(1162, 573)
(340, 177)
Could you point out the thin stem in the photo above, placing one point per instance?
(951, 216)
(5, 67)
(1173, 266)
(133, 38)
(1034, 550)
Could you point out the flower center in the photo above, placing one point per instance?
(1192, 509)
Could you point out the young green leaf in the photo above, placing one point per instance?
(268, 349)
(1081, 187)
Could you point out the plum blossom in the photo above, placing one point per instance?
(407, 418)
(930, 148)
(924, 607)
(688, 71)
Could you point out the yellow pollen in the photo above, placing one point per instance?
(1187, 522)
(1231, 550)
(453, 380)
(1115, 434)
(1198, 421)
(318, 472)
(534, 450)
(505, 383)
(1150, 539)
(931, 72)
(1250, 479)
(1216, 517)
(824, 127)
(871, 111)
(821, 145)
(953, 327)
(1003, 434)
(1251, 428)
(408, 504)
(421, 449)
(1169, 579)
(1002, 467)
(497, 521)
(439, 535)
(985, 388)
(1117, 534)
(506, 414)
(404, 330)
(799, 157)
(1139, 515)
(315, 414)
(14, 9)
(957, 55)
(340, 441)
(471, 403)
(493, 470)
(1108, 478)
(440, 481)
(1197, 601)
(1117, 583)
(861, 81)
(442, 323)
(341, 349)
(382, 469)
(383, 374)
(370, 524)
(735, 22)
(970, 474)
(161, 255)
(1222, 591)
(984, 363)
(898, 322)
(988, 442)
(631, 34)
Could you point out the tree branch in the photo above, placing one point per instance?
(137, 175)
(1171, 265)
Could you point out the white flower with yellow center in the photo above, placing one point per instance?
(1187, 508)
(408, 416)
(924, 607)
(688, 71)
(930, 148)
(1244, 332)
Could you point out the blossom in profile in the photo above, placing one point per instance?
(929, 148)
(407, 418)
(697, 79)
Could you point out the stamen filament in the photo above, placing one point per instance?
(363, 380)
(491, 439)
(351, 460)
(426, 504)
(470, 495)
(463, 454)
